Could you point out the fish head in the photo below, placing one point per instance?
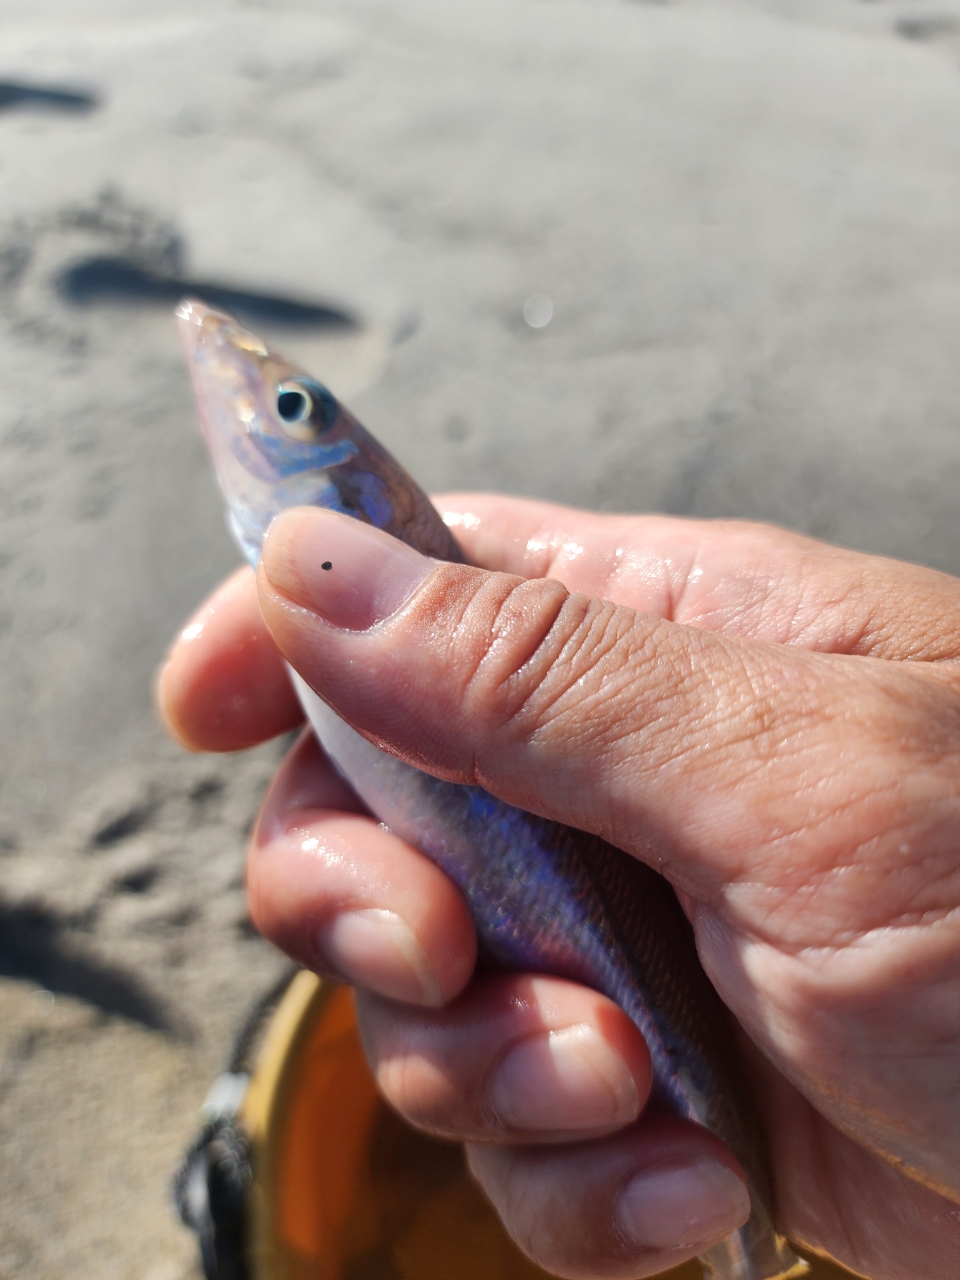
(277, 436)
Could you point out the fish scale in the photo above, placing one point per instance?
(544, 897)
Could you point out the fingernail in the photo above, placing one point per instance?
(349, 573)
(564, 1080)
(379, 950)
(677, 1208)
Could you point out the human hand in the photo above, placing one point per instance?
(778, 725)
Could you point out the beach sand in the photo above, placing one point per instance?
(745, 219)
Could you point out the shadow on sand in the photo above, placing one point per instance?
(32, 946)
(106, 280)
(13, 93)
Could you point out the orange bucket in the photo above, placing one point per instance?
(342, 1188)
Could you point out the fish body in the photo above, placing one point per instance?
(544, 897)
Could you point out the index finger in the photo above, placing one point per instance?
(224, 685)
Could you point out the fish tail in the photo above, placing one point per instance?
(744, 1256)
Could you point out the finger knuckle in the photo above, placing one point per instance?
(549, 658)
(421, 1093)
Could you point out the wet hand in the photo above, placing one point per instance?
(773, 722)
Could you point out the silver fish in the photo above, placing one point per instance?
(544, 897)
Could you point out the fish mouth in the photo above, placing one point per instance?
(191, 316)
(201, 326)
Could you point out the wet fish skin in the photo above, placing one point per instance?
(544, 897)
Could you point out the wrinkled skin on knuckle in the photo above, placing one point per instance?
(519, 636)
(512, 661)
(568, 673)
(451, 656)
(617, 678)
(434, 1067)
(426, 1098)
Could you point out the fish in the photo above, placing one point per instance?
(544, 897)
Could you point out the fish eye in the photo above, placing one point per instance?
(295, 409)
(293, 404)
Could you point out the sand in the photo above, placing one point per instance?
(745, 217)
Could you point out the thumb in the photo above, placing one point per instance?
(698, 752)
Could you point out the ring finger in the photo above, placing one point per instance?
(517, 1057)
